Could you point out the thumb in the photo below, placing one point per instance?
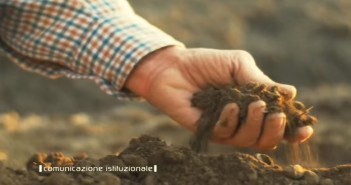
(247, 71)
(289, 90)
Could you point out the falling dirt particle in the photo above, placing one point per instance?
(294, 171)
(311, 177)
(327, 182)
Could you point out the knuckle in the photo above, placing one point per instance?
(256, 105)
(244, 55)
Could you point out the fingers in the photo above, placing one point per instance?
(249, 132)
(303, 133)
(273, 131)
(246, 71)
(227, 122)
(257, 131)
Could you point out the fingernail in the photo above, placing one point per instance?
(305, 133)
(277, 116)
(283, 122)
(261, 107)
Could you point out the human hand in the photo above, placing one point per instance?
(169, 77)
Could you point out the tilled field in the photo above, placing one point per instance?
(175, 165)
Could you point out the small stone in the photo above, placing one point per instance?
(311, 177)
(327, 181)
(265, 158)
(35, 160)
(294, 171)
(59, 159)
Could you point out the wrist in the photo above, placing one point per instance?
(150, 66)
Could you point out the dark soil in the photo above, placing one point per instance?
(175, 165)
(212, 101)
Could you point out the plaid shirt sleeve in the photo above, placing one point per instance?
(101, 40)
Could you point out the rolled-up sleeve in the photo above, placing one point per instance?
(101, 40)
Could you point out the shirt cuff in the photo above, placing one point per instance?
(114, 46)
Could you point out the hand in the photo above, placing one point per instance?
(168, 78)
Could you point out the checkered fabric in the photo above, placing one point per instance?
(101, 40)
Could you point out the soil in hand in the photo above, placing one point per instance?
(212, 100)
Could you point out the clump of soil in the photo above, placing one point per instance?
(175, 165)
(212, 100)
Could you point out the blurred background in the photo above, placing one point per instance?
(303, 43)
